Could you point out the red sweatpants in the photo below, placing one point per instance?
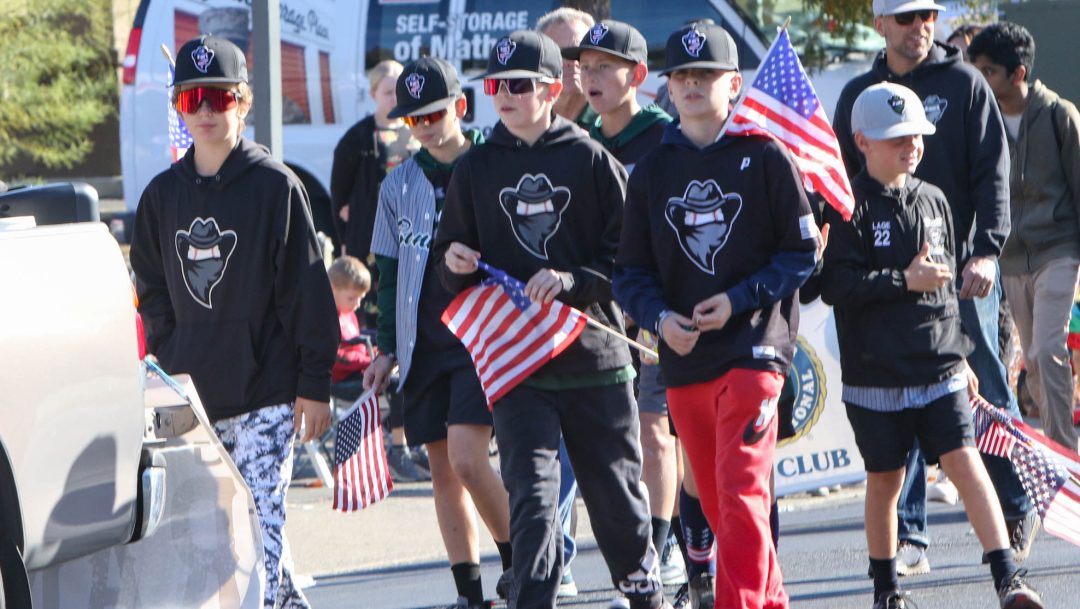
(728, 427)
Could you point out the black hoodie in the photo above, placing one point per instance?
(556, 204)
(967, 158)
(231, 283)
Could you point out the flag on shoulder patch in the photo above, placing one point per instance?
(361, 473)
(507, 335)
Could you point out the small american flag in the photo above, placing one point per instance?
(991, 435)
(361, 474)
(781, 103)
(1049, 472)
(179, 136)
(507, 335)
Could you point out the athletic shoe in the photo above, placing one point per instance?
(703, 591)
(943, 491)
(463, 603)
(505, 588)
(681, 600)
(420, 458)
(567, 587)
(911, 559)
(672, 567)
(619, 602)
(1016, 594)
(1022, 534)
(402, 467)
(895, 600)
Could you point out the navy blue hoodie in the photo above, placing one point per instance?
(231, 283)
(967, 158)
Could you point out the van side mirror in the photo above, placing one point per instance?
(63, 203)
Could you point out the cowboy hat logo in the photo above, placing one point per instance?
(935, 108)
(693, 41)
(202, 57)
(597, 33)
(204, 251)
(504, 50)
(702, 219)
(535, 210)
(415, 84)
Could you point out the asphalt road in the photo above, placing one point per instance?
(822, 552)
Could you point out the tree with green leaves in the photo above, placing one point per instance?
(58, 81)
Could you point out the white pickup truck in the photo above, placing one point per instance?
(114, 491)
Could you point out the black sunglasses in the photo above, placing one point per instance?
(927, 16)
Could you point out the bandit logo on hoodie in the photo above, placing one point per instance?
(702, 220)
(204, 251)
(535, 210)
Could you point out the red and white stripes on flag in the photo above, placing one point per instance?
(507, 335)
(781, 103)
(1049, 472)
(361, 474)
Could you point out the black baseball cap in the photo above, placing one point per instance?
(614, 38)
(524, 54)
(210, 59)
(701, 45)
(427, 84)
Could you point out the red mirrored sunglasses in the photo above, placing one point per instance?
(220, 100)
(927, 16)
(427, 119)
(515, 86)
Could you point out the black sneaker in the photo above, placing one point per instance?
(402, 466)
(1016, 594)
(681, 600)
(703, 591)
(420, 458)
(505, 588)
(895, 600)
(1022, 534)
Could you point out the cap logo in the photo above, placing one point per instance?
(415, 84)
(504, 50)
(693, 41)
(202, 57)
(597, 33)
(897, 104)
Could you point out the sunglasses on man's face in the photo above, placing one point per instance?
(514, 86)
(927, 16)
(220, 100)
(426, 119)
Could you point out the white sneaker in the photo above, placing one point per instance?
(943, 491)
(911, 560)
(672, 566)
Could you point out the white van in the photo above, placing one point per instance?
(328, 45)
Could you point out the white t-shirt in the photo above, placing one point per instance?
(1012, 124)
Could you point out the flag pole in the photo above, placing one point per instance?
(168, 55)
(633, 343)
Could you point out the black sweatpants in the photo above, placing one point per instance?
(600, 426)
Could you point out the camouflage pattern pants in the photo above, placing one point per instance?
(261, 445)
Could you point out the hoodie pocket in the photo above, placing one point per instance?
(220, 357)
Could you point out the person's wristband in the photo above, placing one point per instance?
(660, 323)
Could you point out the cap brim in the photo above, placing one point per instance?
(574, 53)
(709, 65)
(915, 5)
(513, 74)
(217, 80)
(901, 130)
(400, 111)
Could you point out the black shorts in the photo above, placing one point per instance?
(652, 393)
(439, 392)
(885, 438)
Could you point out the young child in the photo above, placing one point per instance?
(233, 291)
(717, 238)
(445, 407)
(543, 202)
(350, 282)
(888, 273)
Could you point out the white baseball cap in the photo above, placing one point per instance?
(893, 7)
(888, 110)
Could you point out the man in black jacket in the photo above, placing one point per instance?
(967, 159)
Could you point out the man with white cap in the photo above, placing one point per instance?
(967, 159)
(889, 274)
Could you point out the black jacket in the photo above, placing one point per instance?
(354, 182)
(967, 158)
(889, 336)
(571, 225)
(231, 283)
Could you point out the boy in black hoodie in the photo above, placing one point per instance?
(718, 237)
(543, 202)
(889, 274)
(233, 291)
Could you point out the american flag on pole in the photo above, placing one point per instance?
(179, 136)
(507, 335)
(361, 474)
(781, 103)
(1049, 472)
